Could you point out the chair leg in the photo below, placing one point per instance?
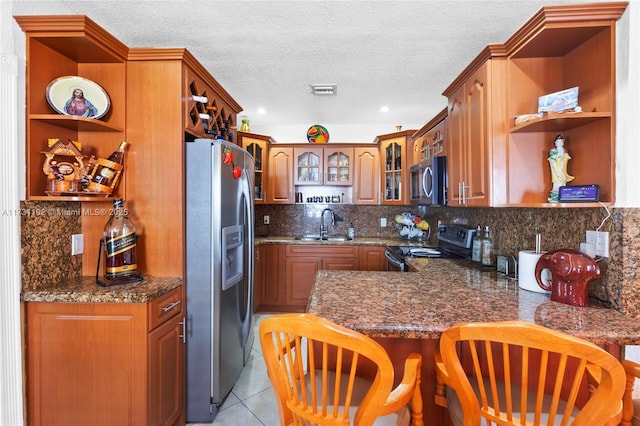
(627, 406)
(416, 405)
(441, 396)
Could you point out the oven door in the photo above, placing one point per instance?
(394, 264)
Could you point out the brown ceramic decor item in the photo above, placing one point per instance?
(571, 272)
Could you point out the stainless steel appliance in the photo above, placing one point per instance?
(429, 181)
(219, 271)
(454, 241)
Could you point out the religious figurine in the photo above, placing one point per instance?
(558, 160)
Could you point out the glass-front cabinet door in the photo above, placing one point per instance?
(308, 166)
(258, 154)
(394, 168)
(338, 165)
(256, 145)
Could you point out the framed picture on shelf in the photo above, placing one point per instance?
(72, 95)
(559, 101)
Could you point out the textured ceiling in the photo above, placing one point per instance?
(401, 54)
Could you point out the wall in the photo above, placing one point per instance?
(513, 229)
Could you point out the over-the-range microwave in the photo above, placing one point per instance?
(429, 182)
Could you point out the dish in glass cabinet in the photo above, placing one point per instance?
(72, 95)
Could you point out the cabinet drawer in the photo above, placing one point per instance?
(164, 307)
(321, 250)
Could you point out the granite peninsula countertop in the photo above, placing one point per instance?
(87, 291)
(444, 292)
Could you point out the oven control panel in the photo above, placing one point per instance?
(458, 235)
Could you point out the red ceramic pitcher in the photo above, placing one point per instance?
(571, 272)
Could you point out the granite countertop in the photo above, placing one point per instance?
(87, 291)
(444, 292)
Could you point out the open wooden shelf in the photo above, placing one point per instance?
(73, 122)
(559, 122)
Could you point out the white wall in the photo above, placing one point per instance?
(628, 108)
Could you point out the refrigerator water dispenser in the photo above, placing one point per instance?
(233, 252)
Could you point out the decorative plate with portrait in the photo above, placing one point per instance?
(72, 95)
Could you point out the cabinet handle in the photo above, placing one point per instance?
(183, 334)
(171, 306)
(462, 189)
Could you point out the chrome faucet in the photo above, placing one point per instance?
(323, 228)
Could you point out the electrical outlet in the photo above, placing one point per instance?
(602, 244)
(265, 220)
(77, 244)
(599, 241)
(383, 222)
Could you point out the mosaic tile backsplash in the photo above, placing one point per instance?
(46, 229)
(46, 237)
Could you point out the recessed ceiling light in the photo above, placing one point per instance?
(324, 89)
(262, 110)
(384, 108)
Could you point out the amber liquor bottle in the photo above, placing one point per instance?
(120, 247)
(107, 171)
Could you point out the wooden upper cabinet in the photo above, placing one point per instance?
(209, 111)
(494, 162)
(366, 180)
(63, 46)
(559, 48)
(280, 175)
(308, 167)
(338, 166)
(257, 146)
(394, 170)
(477, 132)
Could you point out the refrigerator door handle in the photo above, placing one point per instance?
(248, 199)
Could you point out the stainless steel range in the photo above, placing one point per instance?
(454, 241)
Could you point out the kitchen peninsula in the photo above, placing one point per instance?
(407, 312)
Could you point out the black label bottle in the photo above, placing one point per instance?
(120, 244)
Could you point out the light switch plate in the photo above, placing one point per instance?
(383, 222)
(77, 244)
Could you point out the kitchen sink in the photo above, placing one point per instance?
(317, 238)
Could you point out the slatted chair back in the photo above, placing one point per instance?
(519, 373)
(317, 368)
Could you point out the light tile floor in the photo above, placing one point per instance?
(251, 401)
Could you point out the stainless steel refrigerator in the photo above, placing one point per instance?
(219, 275)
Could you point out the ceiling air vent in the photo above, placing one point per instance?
(324, 89)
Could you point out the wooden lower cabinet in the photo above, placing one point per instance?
(269, 291)
(299, 275)
(106, 363)
(285, 273)
(372, 258)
